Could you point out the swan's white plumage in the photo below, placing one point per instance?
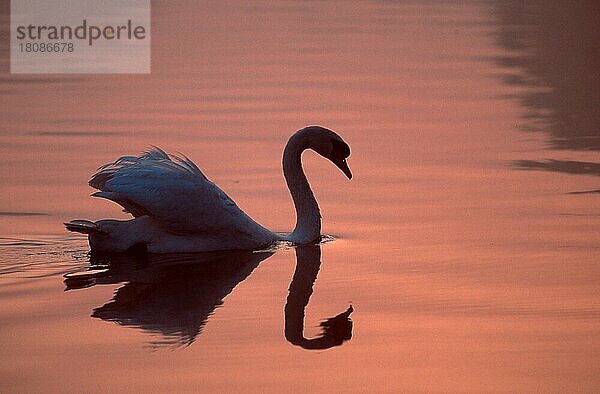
(176, 208)
(160, 185)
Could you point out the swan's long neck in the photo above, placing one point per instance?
(308, 216)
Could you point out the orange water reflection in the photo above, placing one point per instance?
(466, 273)
(173, 295)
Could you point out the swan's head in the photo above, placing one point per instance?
(329, 145)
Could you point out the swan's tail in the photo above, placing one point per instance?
(84, 227)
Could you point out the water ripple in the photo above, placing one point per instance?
(33, 258)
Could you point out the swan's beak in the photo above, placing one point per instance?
(342, 165)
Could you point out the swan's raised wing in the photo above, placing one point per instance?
(171, 189)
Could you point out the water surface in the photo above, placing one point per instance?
(467, 242)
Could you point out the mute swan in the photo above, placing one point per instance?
(177, 209)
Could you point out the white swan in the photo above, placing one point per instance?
(177, 209)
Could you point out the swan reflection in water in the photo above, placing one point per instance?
(336, 330)
(173, 295)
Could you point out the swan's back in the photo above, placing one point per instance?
(175, 193)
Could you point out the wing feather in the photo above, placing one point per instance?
(169, 188)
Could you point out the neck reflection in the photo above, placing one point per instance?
(335, 330)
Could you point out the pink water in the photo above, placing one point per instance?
(467, 242)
